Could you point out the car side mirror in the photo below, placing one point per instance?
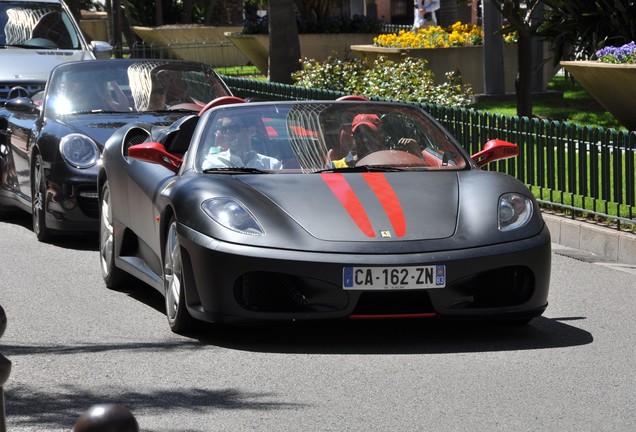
(102, 50)
(495, 150)
(155, 152)
(21, 104)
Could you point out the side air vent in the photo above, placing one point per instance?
(133, 137)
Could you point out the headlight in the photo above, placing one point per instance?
(79, 150)
(232, 215)
(515, 210)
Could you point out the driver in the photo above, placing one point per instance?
(368, 137)
(233, 148)
(86, 94)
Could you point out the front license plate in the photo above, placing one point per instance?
(393, 278)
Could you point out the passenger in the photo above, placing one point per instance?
(233, 148)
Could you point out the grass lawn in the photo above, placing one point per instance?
(247, 71)
(576, 106)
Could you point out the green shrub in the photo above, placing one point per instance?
(407, 80)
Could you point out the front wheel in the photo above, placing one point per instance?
(179, 319)
(38, 201)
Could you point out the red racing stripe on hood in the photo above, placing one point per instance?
(347, 197)
(389, 200)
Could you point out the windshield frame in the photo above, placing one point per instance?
(125, 86)
(307, 130)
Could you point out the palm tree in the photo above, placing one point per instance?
(521, 16)
(284, 47)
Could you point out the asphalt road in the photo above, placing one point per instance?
(73, 343)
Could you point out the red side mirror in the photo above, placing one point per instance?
(495, 150)
(155, 152)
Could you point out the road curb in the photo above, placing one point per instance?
(605, 242)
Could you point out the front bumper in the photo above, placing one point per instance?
(229, 283)
(72, 201)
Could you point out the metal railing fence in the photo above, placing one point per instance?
(581, 170)
(216, 51)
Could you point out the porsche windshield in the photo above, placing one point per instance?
(37, 25)
(131, 86)
(318, 137)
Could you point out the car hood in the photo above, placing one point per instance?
(36, 64)
(366, 206)
(101, 126)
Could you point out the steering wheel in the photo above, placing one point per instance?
(40, 43)
(392, 157)
(191, 106)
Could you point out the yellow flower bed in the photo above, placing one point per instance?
(457, 34)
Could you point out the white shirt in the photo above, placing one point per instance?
(428, 6)
(250, 160)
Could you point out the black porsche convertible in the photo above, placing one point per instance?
(321, 210)
(50, 142)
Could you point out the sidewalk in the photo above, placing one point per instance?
(607, 243)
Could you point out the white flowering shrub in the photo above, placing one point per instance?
(408, 80)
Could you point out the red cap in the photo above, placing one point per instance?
(370, 120)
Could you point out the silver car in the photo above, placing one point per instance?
(36, 36)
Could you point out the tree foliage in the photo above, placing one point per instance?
(317, 10)
(576, 29)
(165, 12)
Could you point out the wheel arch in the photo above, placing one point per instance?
(167, 214)
(102, 177)
(33, 154)
(190, 291)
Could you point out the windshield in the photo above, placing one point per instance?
(37, 25)
(131, 86)
(314, 137)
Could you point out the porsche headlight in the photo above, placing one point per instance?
(515, 210)
(232, 215)
(79, 150)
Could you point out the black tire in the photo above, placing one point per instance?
(179, 319)
(114, 277)
(38, 201)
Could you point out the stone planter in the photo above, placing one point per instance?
(469, 60)
(314, 46)
(94, 25)
(166, 35)
(194, 42)
(612, 85)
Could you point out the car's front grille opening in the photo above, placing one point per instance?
(394, 303)
(88, 201)
(278, 292)
(508, 286)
